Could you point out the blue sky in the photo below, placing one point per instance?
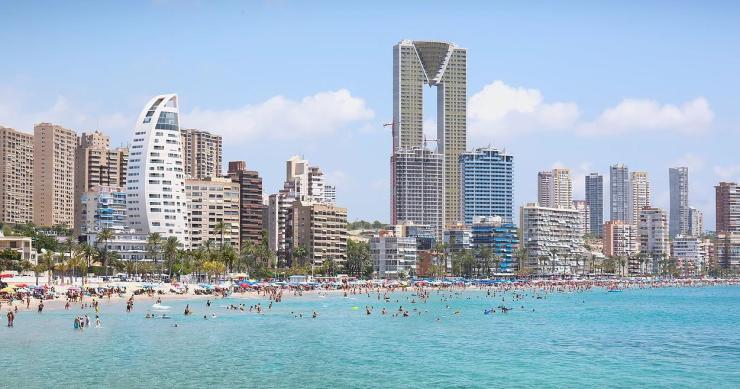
(575, 84)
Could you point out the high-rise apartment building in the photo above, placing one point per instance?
(16, 176)
(101, 207)
(687, 252)
(201, 153)
(321, 229)
(582, 207)
(654, 240)
(276, 223)
(250, 202)
(418, 188)
(561, 190)
(728, 207)
(544, 188)
(487, 184)
(155, 186)
(639, 195)
(96, 165)
(595, 201)
(444, 66)
(696, 222)
(551, 237)
(210, 202)
(678, 180)
(619, 193)
(53, 175)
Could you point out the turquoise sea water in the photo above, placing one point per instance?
(676, 337)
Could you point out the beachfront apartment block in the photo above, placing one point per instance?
(654, 239)
(321, 229)
(552, 238)
(213, 212)
(16, 176)
(53, 175)
(393, 257)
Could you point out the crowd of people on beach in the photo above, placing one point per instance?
(410, 298)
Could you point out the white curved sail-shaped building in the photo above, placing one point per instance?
(155, 187)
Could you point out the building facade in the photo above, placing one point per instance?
(393, 256)
(696, 222)
(728, 207)
(621, 239)
(687, 252)
(202, 153)
(210, 202)
(595, 200)
(418, 190)
(155, 186)
(727, 251)
(501, 238)
(487, 184)
(250, 202)
(639, 195)
(544, 188)
(654, 239)
(582, 207)
(551, 237)
(53, 175)
(678, 181)
(444, 66)
(102, 207)
(321, 229)
(619, 193)
(96, 165)
(16, 176)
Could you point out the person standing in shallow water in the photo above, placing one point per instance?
(11, 317)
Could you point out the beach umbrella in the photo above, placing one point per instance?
(6, 275)
(8, 289)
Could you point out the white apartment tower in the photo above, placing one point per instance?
(442, 65)
(155, 188)
(639, 195)
(555, 189)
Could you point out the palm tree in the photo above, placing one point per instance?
(48, 259)
(153, 247)
(221, 228)
(553, 256)
(521, 257)
(228, 256)
(38, 269)
(300, 253)
(104, 237)
(247, 254)
(170, 252)
(88, 252)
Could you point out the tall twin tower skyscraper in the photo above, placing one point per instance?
(414, 169)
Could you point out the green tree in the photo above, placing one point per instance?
(154, 247)
(48, 259)
(358, 257)
(171, 245)
(105, 236)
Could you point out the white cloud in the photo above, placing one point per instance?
(691, 117)
(500, 109)
(281, 118)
